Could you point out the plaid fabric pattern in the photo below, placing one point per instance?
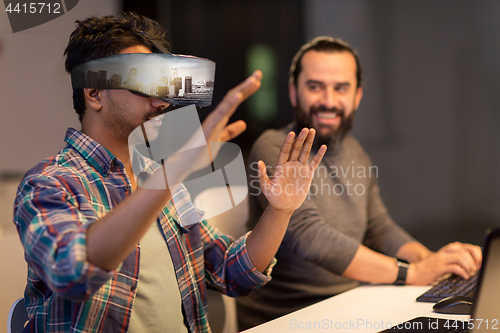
(64, 194)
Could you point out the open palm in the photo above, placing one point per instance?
(289, 184)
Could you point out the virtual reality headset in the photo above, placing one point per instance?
(175, 79)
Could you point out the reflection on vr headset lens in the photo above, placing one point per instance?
(176, 79)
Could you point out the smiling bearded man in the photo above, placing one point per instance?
(342, 233)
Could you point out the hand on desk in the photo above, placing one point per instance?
(458, 258)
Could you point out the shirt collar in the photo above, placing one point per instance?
(93, 152)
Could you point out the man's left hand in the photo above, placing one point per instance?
(289, 184)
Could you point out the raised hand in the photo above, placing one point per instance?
(215, 125)
(215, 129)
(289, 184)
(285, 190)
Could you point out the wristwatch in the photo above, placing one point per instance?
(403, 266)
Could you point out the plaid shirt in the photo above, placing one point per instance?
(64, 194)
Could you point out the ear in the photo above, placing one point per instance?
(357, 99)
(292, 93)
(93, 98)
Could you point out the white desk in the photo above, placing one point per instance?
(370, 308)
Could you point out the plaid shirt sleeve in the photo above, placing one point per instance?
(53, 232)
(228, 266)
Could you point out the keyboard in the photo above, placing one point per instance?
(452, 286)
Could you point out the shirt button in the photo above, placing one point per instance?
(127, 188)
(133, 287)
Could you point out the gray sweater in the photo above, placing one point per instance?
(343, 209)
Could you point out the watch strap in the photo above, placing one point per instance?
(403, 266)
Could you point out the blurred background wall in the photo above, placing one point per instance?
(428, 119)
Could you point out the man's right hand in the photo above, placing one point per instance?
(457, 258)
(215, 126)
(215, 130)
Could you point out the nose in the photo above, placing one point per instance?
(158, 103)
(330, 99)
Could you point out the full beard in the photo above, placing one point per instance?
(332, 138)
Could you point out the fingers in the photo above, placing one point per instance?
(218, 118)
(456, 269)
(458, 264)
(297, 144)
(233, 130)
(265, 183)
(306, 149)
(476, 254)
(285, 149)
(428, 270)
(461, 265)
(441, 263)
(238, 94)
(457, 258)
(251, 84)
(300, 149)
(317, 158)
(466, 255)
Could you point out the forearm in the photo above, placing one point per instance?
(111, 239)
(371, 266)
(413, 252)
(265, 239)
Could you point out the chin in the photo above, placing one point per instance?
(331, 138)
(327, 131)
(136, 137)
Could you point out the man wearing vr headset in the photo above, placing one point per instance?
(342, 233)
(105, 255)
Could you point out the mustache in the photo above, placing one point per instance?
(316, 109)
(155, 113)
(159, 111)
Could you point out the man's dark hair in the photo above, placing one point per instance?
(103, 36)
(323, 44)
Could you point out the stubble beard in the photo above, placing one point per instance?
(124, 130)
